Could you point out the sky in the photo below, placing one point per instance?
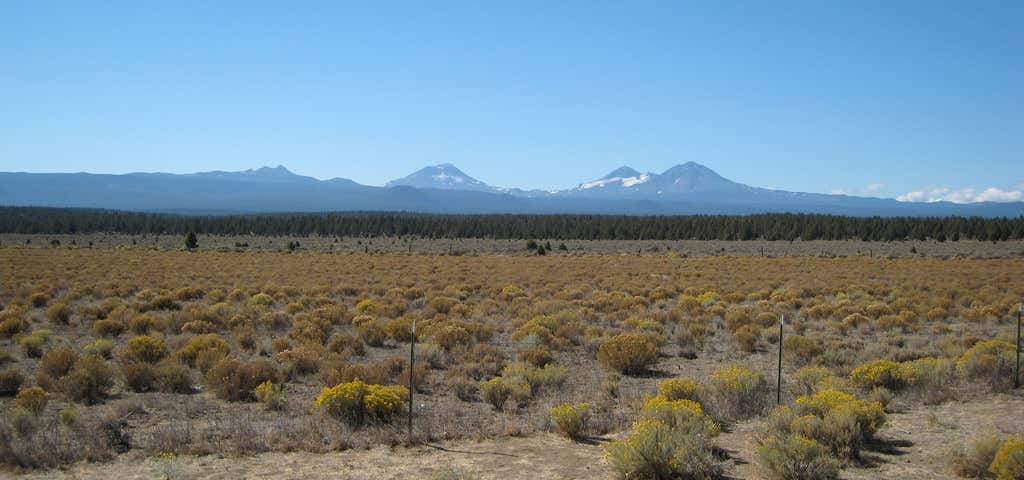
(916, 100)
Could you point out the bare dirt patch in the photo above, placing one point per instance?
(543, 456)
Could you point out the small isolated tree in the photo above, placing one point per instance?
(190, 241)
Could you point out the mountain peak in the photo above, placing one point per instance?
(278, 170)
(693, 177)
(444, 168)
(623, 177)
(689, 168)
(444, 176)
(622, 172)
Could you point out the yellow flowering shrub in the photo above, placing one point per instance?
(448, 336)
(707, 296)
(356, 402)
(144, 348)
(869, 416)
(784, 457)
(679, 388)
(384, 401)
(823, 401)
(1009, 461)
(542, 327)
(659, 402)
(682, 414)
(914, 372)
(878, 373)
(990, 362)
(496, 391)
(571, 418)
(548, 377)
(202, 343)
(628, 353)
(269, 394)
(654, 450)
(33, 399)
(520, 381)
(510, 292)
(368, 307)
(100, 348)
(740, 392)
(342, 400)
(834, 418)
(930, 379)
(262, 299)
(689, 304)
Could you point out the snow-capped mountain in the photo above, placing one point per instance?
(442, 177)
(681, 179)
(620, 177)
(689, 188)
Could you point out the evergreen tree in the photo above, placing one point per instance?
(773, 226)
(190, 241)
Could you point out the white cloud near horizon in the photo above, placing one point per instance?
(966, 195)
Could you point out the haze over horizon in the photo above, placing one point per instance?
(916, 101)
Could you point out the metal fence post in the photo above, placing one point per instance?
(1016, 371)
(412, 375)
(778, 384)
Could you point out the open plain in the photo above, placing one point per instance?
(230, 364)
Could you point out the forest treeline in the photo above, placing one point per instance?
(583, 227)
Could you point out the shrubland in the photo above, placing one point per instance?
(305, 351)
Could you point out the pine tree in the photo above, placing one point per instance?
(190, 241)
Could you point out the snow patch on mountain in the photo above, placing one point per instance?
(624, 181)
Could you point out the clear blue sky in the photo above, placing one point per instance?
(868, 97)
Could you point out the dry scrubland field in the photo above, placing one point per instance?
(139, 363)
(487, 246)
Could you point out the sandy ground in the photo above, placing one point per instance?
(914, 445)
(543, 456)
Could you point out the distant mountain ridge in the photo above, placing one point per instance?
(688, 188)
